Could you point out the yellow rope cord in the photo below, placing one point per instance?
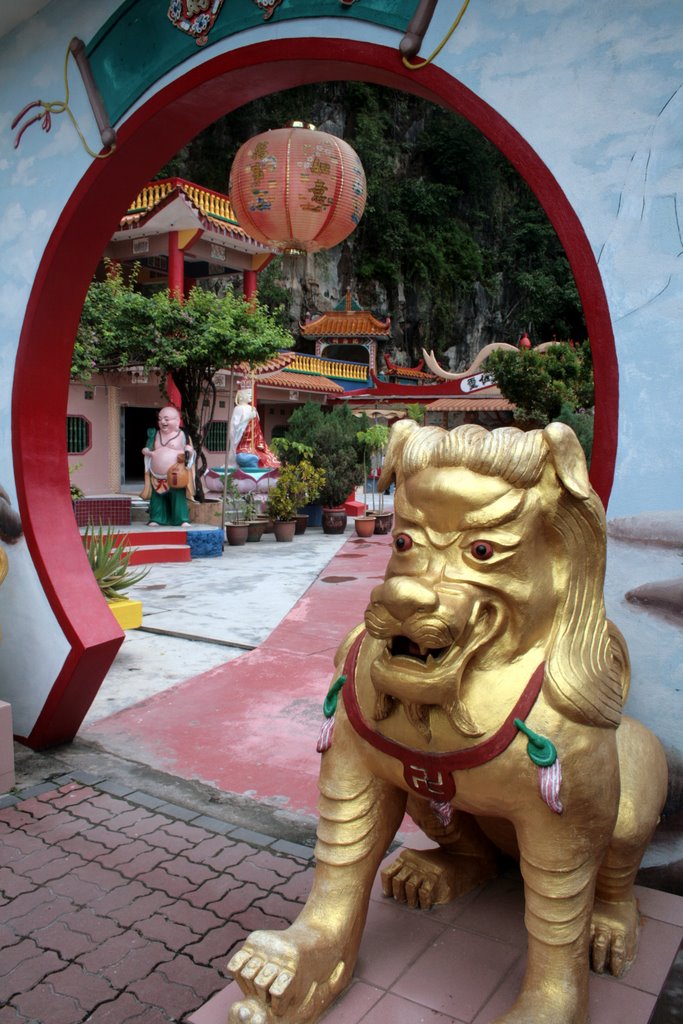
(61, 106)
(422, 64)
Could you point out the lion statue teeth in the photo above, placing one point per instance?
(484, 696)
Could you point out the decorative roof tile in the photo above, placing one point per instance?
(409, 372)
(276, 362)
(300, 382)
(346, 325)
(494, 403)
(212, 209)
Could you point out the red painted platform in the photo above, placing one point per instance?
(150, 553)
(250, 727)
(153, 545)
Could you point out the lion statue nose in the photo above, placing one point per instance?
(403, 597)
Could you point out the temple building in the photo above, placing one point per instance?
(181, 235)
(350, 334)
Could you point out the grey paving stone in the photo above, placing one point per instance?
(86, 778)
(247, 835)
(176, 811)
(8, 801)
(115, 788)
(294, 849)
(145, 799)
(42, 787)
(213, 824)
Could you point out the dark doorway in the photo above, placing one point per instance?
(136, 421)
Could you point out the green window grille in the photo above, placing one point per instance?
(77, 435)
(216, 439)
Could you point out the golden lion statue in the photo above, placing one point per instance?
(484, 695)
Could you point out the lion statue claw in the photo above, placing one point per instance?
(484, 696)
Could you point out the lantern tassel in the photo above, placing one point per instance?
(329, 710)
(549, 782)
(443, 811)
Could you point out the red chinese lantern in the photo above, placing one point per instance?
(297, 189)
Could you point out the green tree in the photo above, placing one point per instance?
(332, 439)
(188, 340)
(556, 384)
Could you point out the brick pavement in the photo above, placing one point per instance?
(117, 907)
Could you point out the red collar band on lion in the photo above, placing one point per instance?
(430, 775)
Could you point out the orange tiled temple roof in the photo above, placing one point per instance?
(276, 362)
(211, 208)
(410, 372)
(347, 323)
(495, 403)
(298, 371)
(300, 382)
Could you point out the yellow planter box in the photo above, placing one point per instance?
(128, 613)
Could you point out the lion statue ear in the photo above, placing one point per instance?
(398, 435)
(568, 459)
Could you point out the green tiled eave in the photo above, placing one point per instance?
(125, 65)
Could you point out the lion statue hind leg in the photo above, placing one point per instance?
(463, 859)
(644, 776)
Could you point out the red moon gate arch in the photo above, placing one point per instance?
(147, 139)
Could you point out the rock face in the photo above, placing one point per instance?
(664, 529)
(654, 529)
(453, 246)
(317, 282)
(664, 597)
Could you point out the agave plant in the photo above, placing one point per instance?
(110, 563)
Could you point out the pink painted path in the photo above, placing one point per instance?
(250, 727)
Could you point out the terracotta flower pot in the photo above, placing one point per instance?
(284, 529)
(236, 533)
(268, 523)
(365, 526)
(334, 520)
(383, 522)
(301, 521)
(255, 530)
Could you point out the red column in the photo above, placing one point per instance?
(176, 286)
(249, 283)
(176, 267)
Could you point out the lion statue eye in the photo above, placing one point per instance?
(403, 542)
(481, 550)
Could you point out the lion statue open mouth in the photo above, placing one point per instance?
(484, 695)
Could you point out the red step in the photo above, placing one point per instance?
(149, 553)
(153, 536)
(155, 545)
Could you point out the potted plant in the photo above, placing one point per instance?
(256, 524)
(283, 501)
(311, 481)
(110, 563)
(76, 492)
(295, 453)
(337, 451)
(331, 440)
(373, 442)
(237, 529)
